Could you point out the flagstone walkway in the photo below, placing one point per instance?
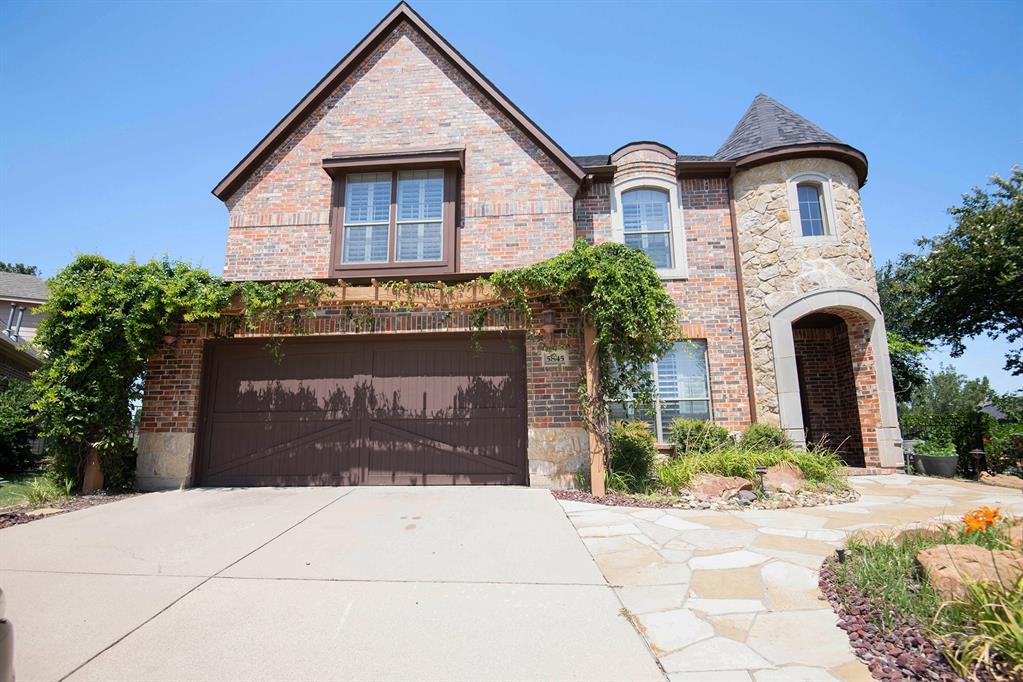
(732, 595)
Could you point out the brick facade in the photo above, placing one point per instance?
(519, 202)
(516, 202)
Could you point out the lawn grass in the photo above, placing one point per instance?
(14, 489)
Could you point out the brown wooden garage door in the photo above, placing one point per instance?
(366, 411)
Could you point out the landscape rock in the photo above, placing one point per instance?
(1015, 535)
(784, 477)
(950, 567)
(747, 496)
(710, 486)
(1002, 480)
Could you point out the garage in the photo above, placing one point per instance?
(394, 410)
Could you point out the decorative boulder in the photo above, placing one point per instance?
(949, 568)
(784, 477)
(709, 486)
(1015, 534)
(1003, 480)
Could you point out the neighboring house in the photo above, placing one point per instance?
(405, 162)
(19, 296)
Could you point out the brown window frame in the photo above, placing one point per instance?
(340, 167)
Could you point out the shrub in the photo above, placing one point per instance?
(18, 426)
(763, 437)
(1004, 447)
(821, 467)
(689, 436)
(936, 448)
(633, 451)
(45, 490)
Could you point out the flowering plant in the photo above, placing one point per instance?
(981, 519)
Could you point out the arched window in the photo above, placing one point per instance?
(812, 211)
(646, 220)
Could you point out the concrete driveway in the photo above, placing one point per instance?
(315, 583)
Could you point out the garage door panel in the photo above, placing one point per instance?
(297, 447)
(365, 411)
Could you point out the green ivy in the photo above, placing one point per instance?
(619, 290)
(104, 320)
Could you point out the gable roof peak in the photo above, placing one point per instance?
(336, 76)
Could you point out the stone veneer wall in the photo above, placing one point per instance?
(516, 202)
(780, 267)
(557, 443)
(708, 297)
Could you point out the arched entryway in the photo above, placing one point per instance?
(834, 376)
(827, 384)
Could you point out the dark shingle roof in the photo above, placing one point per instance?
(590, 160)
(769, 125)
(28, 287)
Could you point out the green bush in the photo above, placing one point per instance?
(633, 451)
(820, 467)
(18, 426)
(45, 490)
(763, 437)
(936, 448)
(1004, 447)
(690, 436)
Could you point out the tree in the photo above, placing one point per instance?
(19, 268)
(946, 392)
(908, 371)
(897, 287)
(969, 281)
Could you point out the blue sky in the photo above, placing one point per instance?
(119, 118)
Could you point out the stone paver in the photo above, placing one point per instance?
(733, 595)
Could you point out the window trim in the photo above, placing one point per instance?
(795, 218)
(448, 262)
(677, 233)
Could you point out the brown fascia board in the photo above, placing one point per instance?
(840, 152)
(688, 169)
(327, 84)
(405, 158)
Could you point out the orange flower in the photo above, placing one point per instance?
(982, 518)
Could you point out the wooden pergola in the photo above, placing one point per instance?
(466, 297)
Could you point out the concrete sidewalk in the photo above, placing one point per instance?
(315, 583)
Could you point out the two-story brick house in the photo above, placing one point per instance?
(405, 162)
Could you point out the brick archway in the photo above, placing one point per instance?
(834, 366)
(864, 383)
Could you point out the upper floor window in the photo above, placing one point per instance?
(394, 213)
(647, 224)
(811, 207)
(646, 216)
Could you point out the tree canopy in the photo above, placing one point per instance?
(969, 280)
(19, 268)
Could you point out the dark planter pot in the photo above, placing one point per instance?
(937, 466)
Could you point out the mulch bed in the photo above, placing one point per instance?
(13, 516)
(901, 652)
(688, 501)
